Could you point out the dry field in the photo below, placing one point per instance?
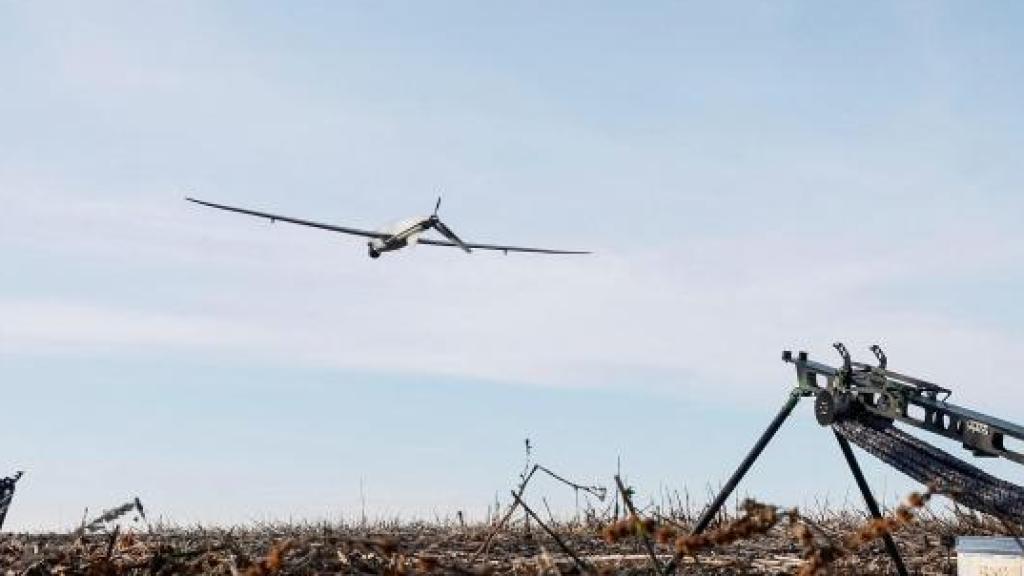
(755, 540)
(609, 534)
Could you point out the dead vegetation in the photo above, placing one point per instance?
(757, 539)
(761, 540)
(609, 536)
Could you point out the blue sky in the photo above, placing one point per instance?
(753, 176)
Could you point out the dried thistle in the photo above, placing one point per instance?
(632, 526)
(272, 563)
(879, 527)
(820, 558)
(757, 519)
(665, 535)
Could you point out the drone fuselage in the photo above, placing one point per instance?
(401, 234)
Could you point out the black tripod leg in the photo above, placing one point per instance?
(716, 505)
(869, 499)
(5, 501)
(740, 472)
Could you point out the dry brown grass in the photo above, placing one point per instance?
(760, 539)
(757, 539)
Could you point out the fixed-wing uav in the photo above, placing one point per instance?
(404, 233)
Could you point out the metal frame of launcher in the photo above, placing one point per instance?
(857, 389)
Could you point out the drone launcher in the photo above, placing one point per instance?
(878, 397)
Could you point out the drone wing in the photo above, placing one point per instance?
(276, 217)
(498, 247)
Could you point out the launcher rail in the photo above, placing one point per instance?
(856, 389)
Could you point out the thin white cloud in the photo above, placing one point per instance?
(712, 318)
(55, 328)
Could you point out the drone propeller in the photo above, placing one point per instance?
(447, 233)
